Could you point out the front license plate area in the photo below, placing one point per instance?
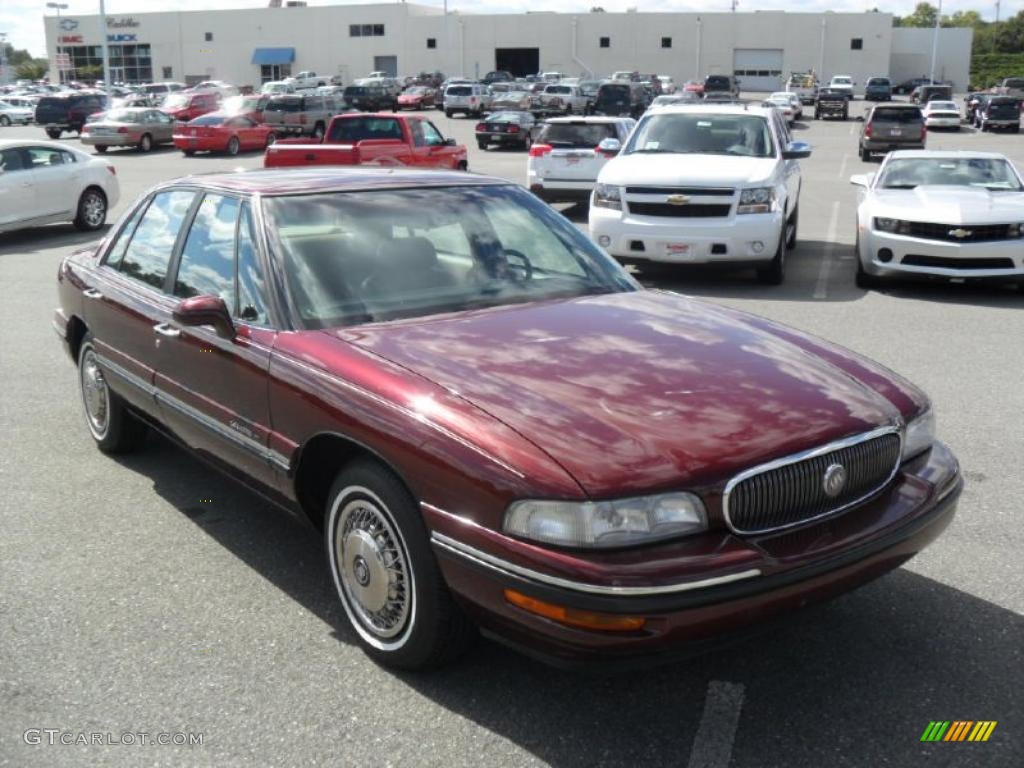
(677, 250)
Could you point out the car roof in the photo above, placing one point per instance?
(715, 108)
(288, 181)
(15, 143)
(589, 119)
(947, 154)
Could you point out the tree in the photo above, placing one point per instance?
(970, 19)
(34, 69)
(924, 15)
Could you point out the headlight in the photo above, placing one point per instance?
(617, 523)
(919, 434)
(895, 226)
(1015, 230)
(756, 200)
(607, 196)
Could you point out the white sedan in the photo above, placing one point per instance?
(793, 99)
(43, 182)
(11, 114)
(952, 215)
(783, 105)
(941, 114)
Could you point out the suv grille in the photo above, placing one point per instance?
(691, 211)
(791, 491)
(978, 234)
(693, 191)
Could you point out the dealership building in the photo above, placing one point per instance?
(250, 46)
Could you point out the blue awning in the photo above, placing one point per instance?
(273, 56)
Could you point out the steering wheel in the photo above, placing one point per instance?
(521, 272)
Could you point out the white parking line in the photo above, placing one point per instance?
(821, 288)
(712, 746)
(842, 168)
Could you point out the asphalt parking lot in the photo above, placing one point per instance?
(150, 594)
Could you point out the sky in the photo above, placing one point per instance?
(22, 19)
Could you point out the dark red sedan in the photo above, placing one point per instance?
(491, 422)
(220, 132)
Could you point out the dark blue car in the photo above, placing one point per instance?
(878, 89)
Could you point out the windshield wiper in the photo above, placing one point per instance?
(657, 152)
(900, 186)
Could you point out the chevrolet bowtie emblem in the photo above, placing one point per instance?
(677, 200)
(960, 234)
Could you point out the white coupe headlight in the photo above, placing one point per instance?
(919, 434)
(607, 196)
(756, 200)
(597, 524)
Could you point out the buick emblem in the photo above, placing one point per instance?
(834, 480)
(677, 200)
(960, 234)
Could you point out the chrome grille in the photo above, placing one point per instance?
(790, 491)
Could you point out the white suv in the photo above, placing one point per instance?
(714, 183)
(566, 156)
(471, 99)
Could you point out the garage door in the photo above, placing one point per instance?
(758, 69)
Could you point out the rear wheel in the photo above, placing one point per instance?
(447, 113)
(234, 145)
(462, 165)
(53, 133)
(482, 145)
(111, 425)
(386, 576)
(188, 152)
(774, 272)
(101, 149)
(865, 155)
(145, 143)
(5, 120)
(92, 210)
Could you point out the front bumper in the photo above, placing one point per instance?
(962, 260)
(725, 240)
(742, 582)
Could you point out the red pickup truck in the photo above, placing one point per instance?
(372, 139)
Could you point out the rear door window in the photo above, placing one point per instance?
(149, 252)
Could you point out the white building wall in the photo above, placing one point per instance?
(702, 44)
(912, 55)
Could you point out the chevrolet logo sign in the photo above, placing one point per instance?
(960, 234)
(677, 200)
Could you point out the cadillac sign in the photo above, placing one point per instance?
(125, 22)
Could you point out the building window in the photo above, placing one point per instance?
(168, 73)
(857, 44)
(431, 42)
(606, 42)
(209, 37)
(366, 30)
(666, 42)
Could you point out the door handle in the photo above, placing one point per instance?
(165, 330)
(92, 293)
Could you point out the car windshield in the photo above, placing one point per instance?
(418, 90)
(614, 94)
(991, 173)
(557, 89)
(356, 90)
(702, 133)
(576, 134)
(209, 120)
(390, 254)
(717, 82)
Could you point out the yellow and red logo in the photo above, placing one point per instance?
(958, 730)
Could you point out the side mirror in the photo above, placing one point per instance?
(450, 143)
(796, 150)
(862, 179)
(206, 310)
(609, 147)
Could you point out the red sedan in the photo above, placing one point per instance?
(417, 97)
(489, 421)
(218, 132)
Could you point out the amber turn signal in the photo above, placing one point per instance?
(605, 622)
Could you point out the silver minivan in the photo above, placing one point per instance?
(471, 99)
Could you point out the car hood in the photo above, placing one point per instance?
(636, 391)
(950, 205)
(710, 170)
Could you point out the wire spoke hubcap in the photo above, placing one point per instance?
(373, 568)
(95, 394)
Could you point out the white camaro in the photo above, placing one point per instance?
(942, 114)
(42, 182)
(946, 214)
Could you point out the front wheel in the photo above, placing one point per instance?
(92, 210)
(791, 228)
(145, 143)
(5, 120)
(188, 152)
(386, 576)
(774, 272)
(111, 425)
(233, 145)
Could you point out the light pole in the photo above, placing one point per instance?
(700, 36)
(935, 41)
(106, 55)
(3, 58)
